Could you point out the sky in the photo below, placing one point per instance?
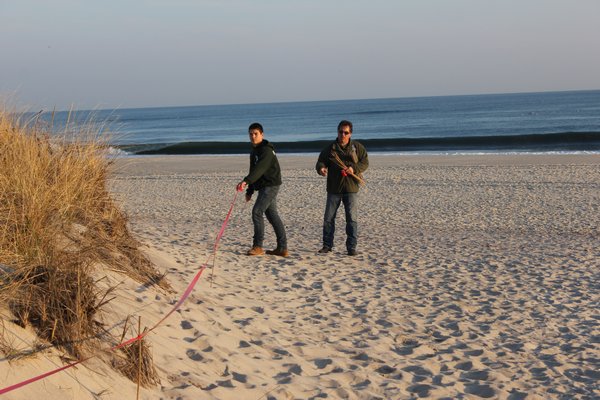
(149, 53)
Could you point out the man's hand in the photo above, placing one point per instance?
(323, 171)
(349, 171)
(241, 186)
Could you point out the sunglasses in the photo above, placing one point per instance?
(345, 133)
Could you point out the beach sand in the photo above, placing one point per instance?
(478, 277)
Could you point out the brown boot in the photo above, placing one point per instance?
(278, 252)
(255, 251)
(324, 250)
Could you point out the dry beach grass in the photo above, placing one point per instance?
(59, 226)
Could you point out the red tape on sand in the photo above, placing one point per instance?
(185, 295)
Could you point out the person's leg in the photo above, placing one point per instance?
(258, 212)
(331, 207)
(274, 219)
(351, 208)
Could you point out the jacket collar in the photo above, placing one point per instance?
(338, 146)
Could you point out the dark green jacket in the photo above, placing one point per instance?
(264, 168)
(353, 155)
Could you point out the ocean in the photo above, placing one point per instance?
(566, 122)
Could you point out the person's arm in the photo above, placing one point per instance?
(323, 162)
(243, 185)
(265, 159)
(249, 193)
(363, 160)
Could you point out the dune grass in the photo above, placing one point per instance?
(59, 226)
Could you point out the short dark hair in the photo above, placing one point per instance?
(257, 126)
(345, 123)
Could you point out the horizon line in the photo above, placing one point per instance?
(313, 101)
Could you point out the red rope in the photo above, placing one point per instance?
(140, 336)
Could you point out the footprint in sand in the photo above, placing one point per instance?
(239, 377)
(283, 378)
(475, 375)
(243, 322)
(385, 370)
(517, 396)
(186, 325)
(419, 373)
(361, 357)
(464, 366)
(483, 391)
(322, 362)
(362, 385)
(281, 352)
(226, 384)
(473, 353)
(420, 390)
(294, 369)
(194, 355)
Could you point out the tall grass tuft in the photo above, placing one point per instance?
(58, 226)
(135, 360)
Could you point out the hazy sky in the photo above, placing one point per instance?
(125, 53)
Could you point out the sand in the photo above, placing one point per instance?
(477, 277)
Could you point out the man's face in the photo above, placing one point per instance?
(256, 136)
(344, 134)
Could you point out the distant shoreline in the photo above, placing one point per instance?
(551, 142)
(203, 164)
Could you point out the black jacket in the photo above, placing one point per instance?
(264, 167)
(353, 155)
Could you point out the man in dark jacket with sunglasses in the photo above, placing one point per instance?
(343, 162)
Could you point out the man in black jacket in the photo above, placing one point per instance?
(264, 177)
(343, 162)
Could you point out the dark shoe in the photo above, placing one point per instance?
(255, 251)
(352, 252)
(324, 250)
(278, 252)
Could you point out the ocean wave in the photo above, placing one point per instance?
(114, 151)
(377, 112)
(564, 141)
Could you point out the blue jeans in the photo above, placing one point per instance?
(266, 205)
(350, 201)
